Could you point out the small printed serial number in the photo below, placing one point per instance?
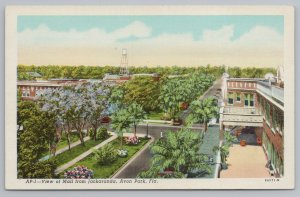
(272, 180)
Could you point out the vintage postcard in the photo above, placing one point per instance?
(149, 97)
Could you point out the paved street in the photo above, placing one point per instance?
(143, 160)
(212, 91)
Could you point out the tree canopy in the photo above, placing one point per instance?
(177, 155)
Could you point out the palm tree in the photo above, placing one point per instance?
(121, 123)
(224, 148)
(224, 152)
(203, 111)
(178, 153)
(137, 114)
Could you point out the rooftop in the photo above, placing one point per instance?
(245, 79)
(37, 83)
(272, 92)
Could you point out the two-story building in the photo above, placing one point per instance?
(253, 110)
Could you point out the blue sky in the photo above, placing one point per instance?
(159, 24)
(191, 28)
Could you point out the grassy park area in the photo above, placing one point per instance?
(106, 171)
(76, 151)
(155, 115)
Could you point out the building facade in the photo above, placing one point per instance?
(29, 90)
(256, 106)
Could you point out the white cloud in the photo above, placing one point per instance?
(42, 35)
(259, 46)
(136, 29)
(222, 35)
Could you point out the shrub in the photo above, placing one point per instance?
(102, 133)
(91, 133)
(106, 155)
(122, 153)
(166, 117)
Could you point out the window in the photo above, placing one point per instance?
(279, 121)
(28, 92)
(260, 107)
(230, 98)
(23, 92)
(238, 97)
(241, 85)
(274, 118)
(249, 100)
(267, 111)
(263, 106)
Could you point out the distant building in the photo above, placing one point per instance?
(256, 107)
(119, 79)
(29, 90)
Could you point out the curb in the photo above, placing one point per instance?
(218, 168)
(132, 159)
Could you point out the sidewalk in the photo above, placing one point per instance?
(246, 162)
(85, 154)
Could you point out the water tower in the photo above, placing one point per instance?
(124, 63)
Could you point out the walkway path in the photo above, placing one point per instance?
(59, 151)
(246, 162)
(83, 155)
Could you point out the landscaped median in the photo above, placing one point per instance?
(83, 154)
(76, 151)
(108, 170)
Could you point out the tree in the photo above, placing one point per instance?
(36, 136)
(144, 91)
(177, 155)
(224, 148)
(50, 103)
(116, 99)
(170, 98)
(97, 97)
(137, 114)
(79, 103)
(203, 111)
(121, 123)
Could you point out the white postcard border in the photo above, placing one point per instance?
(11, 182)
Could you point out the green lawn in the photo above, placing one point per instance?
(64, 142)
(75, 151)
(74, 137)
(155, 115)
(109, 170)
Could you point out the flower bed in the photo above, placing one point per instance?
(79, 172)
